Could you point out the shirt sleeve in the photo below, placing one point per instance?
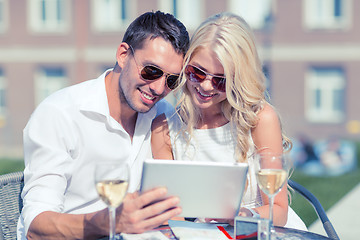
(48, 144)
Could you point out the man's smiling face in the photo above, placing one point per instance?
(140, 94)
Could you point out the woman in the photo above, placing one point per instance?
(222, 113)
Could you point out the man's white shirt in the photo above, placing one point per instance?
(67, 133)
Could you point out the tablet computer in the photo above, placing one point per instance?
(205, 189)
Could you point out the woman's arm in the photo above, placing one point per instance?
(160, 139)
(268, 135)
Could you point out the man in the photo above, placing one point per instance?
(106, 118)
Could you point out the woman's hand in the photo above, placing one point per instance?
(220, 220)
(249, 212)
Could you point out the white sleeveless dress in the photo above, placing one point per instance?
(218, 145)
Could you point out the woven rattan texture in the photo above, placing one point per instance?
(10, 203)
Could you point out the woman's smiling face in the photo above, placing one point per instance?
(203, 94)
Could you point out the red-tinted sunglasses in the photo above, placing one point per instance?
(151, 73)
(195, 74)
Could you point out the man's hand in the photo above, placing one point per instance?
(143, 212)
(135, 215)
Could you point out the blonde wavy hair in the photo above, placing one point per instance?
(232, 40)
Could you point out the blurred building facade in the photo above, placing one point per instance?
(310, 50)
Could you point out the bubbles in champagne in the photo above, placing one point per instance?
(271, 180)
(112, 192)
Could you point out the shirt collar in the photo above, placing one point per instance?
(96, 101)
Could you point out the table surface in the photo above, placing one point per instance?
(281, 233)
(290, 233)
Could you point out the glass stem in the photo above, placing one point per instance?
(271, 211)
(112, 217)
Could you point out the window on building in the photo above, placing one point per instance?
(48, 15)
(327, 14)
(2, 95)
(257, 13)
(111, 15)
(3, 15)
(47, 81)
(189, 12)
(325, 95)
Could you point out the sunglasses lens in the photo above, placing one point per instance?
(172, 81)
(219, 83)
(151, 73)
(194, 74)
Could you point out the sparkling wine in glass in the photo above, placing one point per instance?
(112, 181)
(271, 175)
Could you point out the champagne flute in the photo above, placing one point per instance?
(112, 181)
(271, 174)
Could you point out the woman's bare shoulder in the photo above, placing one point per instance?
(267, 133)
(268, 114)
(159, 122)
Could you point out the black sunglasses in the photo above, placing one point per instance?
(151, 73)
(195, 74)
